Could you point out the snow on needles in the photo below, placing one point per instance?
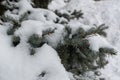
(15, 64)
(97, 41)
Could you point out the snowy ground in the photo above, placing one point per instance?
(20, 66)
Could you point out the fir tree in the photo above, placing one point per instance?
(2, 9)
(76, 54)
(74, 50)
(41, 3)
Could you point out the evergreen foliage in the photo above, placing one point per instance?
(36, 41)
(42, 74)
(16, 23)
(48, 32)
(41, 3)
(76, 54)
(99, 30)
(69, 15)
(5, 18)
(97, 0)
(32, 51)
(15, 40)
(2, 9)
(74, 50)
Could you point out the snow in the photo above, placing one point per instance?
(42, 15)
(17, 64)
(30, 27)
(99, 12)
(97, 42)
(104, 11)
(75, 24)
(24, 6)
(55, 4)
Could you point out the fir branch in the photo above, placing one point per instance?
(8, 2)
(98, 30)
(35, 41)
(108, 50)
(48, 32)
(23, 16)
(15, 40)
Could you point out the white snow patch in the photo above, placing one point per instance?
(24, 5)
(97, 41)
(56, 4)
(15, 64)
(42, 15)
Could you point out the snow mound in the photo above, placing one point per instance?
(15, 64)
